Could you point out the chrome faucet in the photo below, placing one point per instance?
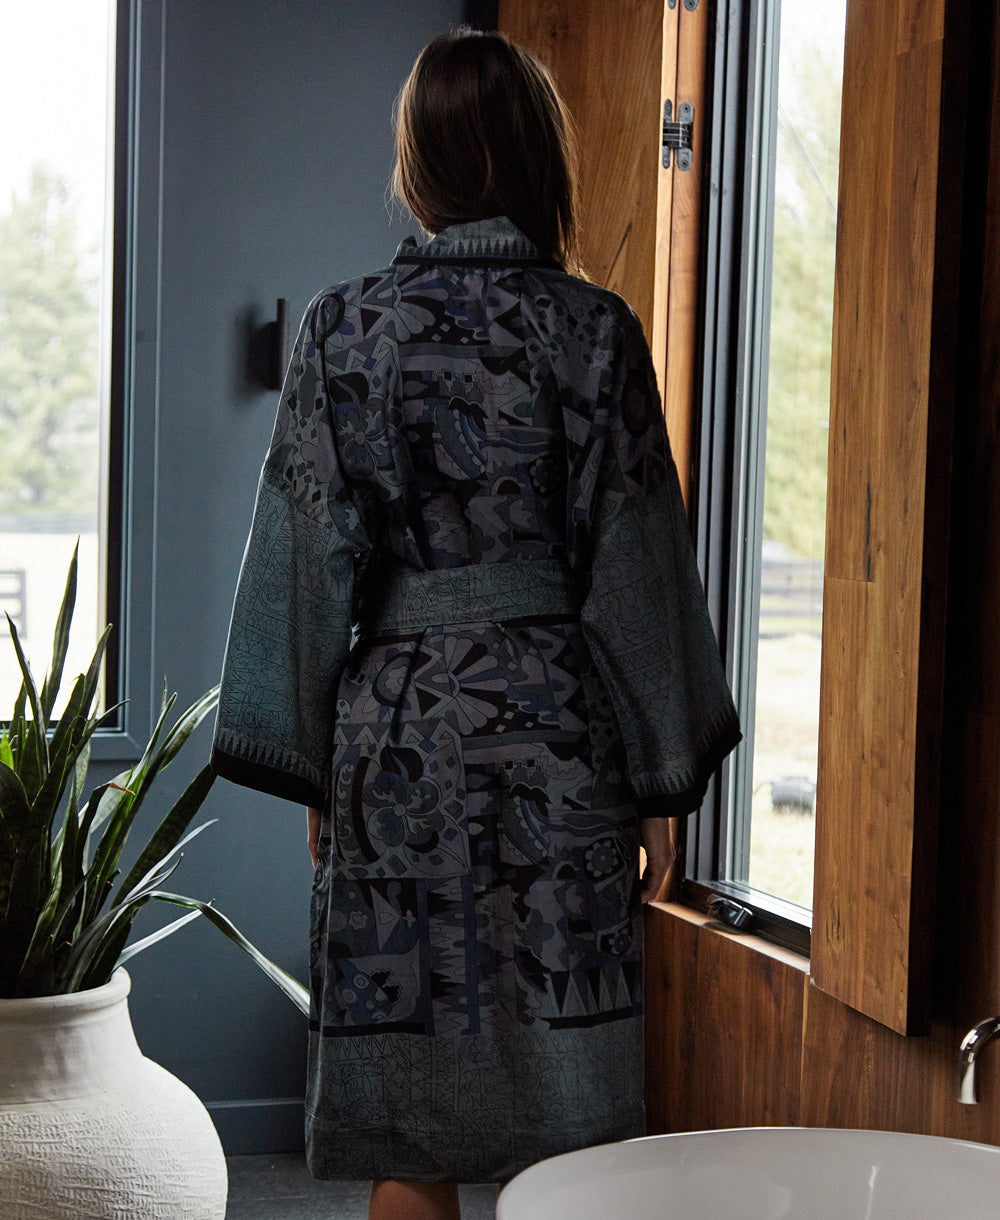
(972, 1043)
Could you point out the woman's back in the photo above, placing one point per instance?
(466, 435)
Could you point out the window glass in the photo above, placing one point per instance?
(56, 95)
(806, 142)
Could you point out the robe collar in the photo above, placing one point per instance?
(493, 242)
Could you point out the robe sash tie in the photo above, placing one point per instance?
(483, 592)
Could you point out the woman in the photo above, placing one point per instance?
(471, 637)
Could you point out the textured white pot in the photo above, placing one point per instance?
(92, 1130)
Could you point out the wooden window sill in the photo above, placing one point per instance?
(750, 942)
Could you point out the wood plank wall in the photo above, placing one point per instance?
(723, 1026)
(830, 1065)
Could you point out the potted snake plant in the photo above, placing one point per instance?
(71, 1075)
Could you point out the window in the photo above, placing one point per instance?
(760, 511)
(57, 91)
(787, 607)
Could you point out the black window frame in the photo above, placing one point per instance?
(135, 144)
(133, 378)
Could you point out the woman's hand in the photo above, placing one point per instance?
(660, 853)
(313, 819)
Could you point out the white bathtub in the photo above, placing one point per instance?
(763, 1173)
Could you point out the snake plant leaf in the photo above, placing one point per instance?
(80, 769)
(87, 821)
(186, 725)
(107, 845)
(23, 849)
(77, 873)
(116, 813)
(65, 846)
(66, 841)
(79, 708)
(60, 641)
(15, 811)
(119, 917)
(108, 955)
(61, 634)
(155, 870)
(15, 728)
(27, 887)
(38, 958)
(100, 961)
(151, 752)
(121, 811)
(28, 684)
(64, 927)
(290, 986)
(15, 807)
(154, 938)
(113, 943)
(6, 753)
(20, 703)
(45, 805)
(112, 794)
(92, 677)
(167, 836)
(121, 801)
(72, 839)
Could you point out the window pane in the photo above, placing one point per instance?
(56, 65)
(798, 394)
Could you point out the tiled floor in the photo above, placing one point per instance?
(280, 1188)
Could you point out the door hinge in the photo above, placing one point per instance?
(677, 134)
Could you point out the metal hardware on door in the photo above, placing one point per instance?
(677, 134)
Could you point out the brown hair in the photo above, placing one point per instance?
(481, 131)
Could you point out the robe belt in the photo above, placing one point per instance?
(483, 592)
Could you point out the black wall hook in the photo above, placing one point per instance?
(267, 355)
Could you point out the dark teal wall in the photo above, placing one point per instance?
(274, 124)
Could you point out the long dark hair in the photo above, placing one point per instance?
(481, 131)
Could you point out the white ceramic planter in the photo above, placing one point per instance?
(92, 1130)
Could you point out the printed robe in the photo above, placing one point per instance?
(470, 627)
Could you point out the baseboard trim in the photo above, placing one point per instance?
(256, 1126)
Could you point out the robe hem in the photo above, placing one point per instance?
(356, 1161)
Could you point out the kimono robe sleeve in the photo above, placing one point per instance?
(645, 617)
(292, 617)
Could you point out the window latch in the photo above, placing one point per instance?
(730, 912)
(677, 133)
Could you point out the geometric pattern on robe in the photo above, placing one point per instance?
(469, 625)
